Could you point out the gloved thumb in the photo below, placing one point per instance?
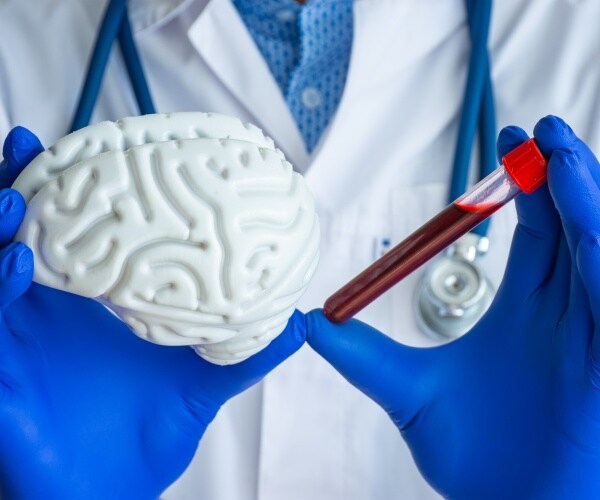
(212, 385)
(391, 374)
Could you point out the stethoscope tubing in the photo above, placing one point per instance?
(135, 70)
(478, 111)
(115, 23)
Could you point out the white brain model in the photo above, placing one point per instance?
(191, 227)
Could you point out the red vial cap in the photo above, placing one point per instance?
(527, 166)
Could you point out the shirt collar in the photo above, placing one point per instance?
(277, 9)
(266, 8)
(144, 14)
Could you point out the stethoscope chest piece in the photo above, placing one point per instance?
(454, 292)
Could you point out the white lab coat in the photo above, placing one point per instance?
(380, 170)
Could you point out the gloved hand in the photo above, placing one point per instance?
(88, 410)
(512, 409)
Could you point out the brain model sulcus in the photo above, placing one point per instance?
(191, 227)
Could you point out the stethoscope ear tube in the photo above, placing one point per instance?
(115, 23)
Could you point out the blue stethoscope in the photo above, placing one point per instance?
(454, 292)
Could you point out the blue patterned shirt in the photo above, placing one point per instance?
(307, 48)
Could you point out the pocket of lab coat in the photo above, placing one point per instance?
(413, 206)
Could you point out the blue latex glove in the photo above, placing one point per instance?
(512, 409)
(88, 410)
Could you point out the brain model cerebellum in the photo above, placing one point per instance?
(191, 227)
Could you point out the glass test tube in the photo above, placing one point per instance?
(523, 169)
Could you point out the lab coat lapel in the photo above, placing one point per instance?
(223, 41)
(329, 174)
(389, 36)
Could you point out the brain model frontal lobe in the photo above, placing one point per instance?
(192, 228)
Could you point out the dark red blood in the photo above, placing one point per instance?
(426, 242)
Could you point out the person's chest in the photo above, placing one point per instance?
(396, 123)
(381, 169)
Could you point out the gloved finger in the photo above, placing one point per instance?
(578, 319)
(386, 371)
(559, 282)
(215, 384)
(20, 147)
(11, 368)
(571, 177)
(571, 171)
(566, 304)
(16, 272)
(256, 367)
(12, 211)
(588, 264)
(535, 242)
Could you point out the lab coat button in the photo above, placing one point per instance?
(286, 15)
(311, 98)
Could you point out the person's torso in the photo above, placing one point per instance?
(380, 170)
